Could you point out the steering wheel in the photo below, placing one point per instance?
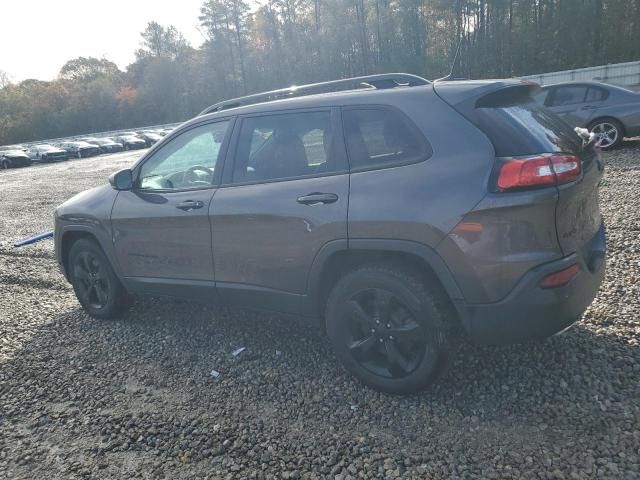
(190, 176)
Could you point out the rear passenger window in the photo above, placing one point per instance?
(569, 96)
(281, 146)
(595, 95)
(382, 137)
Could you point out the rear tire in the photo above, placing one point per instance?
(96, 285)
(610, 131)
(387, 329)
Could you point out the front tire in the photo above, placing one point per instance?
(387, 329)
(609, 131)
(96, 285)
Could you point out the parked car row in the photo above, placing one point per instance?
(20, 155)
(47, 153)
(13, 158)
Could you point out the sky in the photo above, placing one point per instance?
(37, 37)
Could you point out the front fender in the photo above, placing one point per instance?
(88, 214)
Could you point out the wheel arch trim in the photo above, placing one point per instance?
(424, 252)
(62, 245)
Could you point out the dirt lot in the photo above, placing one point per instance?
(135, 397)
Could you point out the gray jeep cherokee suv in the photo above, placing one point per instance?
(399, 211)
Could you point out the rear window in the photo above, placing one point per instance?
(569, 95)
(517, 125)
(596, 95)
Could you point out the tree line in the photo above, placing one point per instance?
(285, 42)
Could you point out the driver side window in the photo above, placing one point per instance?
(186, 162)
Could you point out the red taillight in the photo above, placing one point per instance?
(537, 171)
(561, 278)
(468, 227)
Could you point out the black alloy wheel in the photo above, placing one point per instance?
(93, 284)
(96, 285)
(382, 334)
(387, 329)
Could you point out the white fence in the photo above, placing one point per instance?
(626, 74)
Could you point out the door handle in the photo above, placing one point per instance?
(317, 198)
(590, 107)
(189, 205)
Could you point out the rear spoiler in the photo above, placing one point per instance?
(466, 96)
(459, 92)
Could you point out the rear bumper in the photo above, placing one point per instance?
(530, 312)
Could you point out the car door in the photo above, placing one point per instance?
(161, 228)
(576, 104)
(284, 199)
(594, 100)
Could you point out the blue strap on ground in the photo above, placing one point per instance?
(35, 239)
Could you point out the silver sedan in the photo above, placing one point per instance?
(609, 111)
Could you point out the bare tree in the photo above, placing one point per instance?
(4, 79)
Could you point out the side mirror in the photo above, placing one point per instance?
(122, 180)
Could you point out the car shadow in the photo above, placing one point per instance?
(171, 344)
(629, 145)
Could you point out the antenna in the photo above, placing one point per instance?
(453, 65)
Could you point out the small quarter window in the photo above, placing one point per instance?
(382, 137)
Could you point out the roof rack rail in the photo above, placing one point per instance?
(379, 81)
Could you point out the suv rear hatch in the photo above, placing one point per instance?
(519, 127)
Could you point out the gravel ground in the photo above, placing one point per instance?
(135, 398)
